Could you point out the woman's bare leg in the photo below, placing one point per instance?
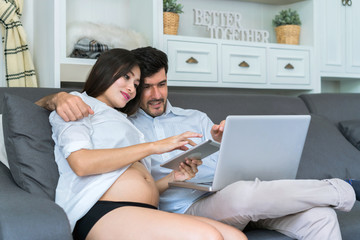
(227, 231)
(143, 223)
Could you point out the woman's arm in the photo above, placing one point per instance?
(95, 161)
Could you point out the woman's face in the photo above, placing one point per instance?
(122, 90)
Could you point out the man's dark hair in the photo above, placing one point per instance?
(151, 61)
(110, 66)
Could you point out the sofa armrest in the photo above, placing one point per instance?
(25, 216)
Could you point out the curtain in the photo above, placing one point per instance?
(19, 68)
(3, 82)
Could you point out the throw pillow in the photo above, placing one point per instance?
(29, 146)
(351, 130)
(3, 156)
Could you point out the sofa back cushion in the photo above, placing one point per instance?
(29, 146)
(336, 107)
(3, 156)
(351, 130)
(327, 153)
(220, 105)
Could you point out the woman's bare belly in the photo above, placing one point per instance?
(135, 185)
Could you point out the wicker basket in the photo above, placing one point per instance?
(171, 23)
(288, 34)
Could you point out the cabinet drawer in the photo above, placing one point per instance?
(192, 61)
(243, 64)
(289, 66)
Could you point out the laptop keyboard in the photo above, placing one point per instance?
(206, 183)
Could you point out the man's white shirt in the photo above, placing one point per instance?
(175, 121)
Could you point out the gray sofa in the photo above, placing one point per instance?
(27, 209)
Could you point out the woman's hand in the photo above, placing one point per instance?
(187, 170)
(175, 142)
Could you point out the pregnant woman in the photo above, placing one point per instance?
(105, 186)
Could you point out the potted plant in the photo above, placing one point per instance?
(171, 11)
(287, 26)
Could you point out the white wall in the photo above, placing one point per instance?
(27, 20)
(37, 20)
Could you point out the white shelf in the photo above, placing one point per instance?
(274, 2)
(118, 15)
(147, 20)
(78, 61)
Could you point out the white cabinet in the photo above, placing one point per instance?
(192, 62)
(353, 38)
(243, 64)
(289, 67)
(239, 64)
(200, 62)
(339, 38)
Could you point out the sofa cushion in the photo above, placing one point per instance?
(219, 105)
(350, 222)
(327, 153)
(336, 107)
(351, 130)
(3, 156)
(29, 146)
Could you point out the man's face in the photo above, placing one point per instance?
(154, 96)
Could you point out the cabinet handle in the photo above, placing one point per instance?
(347, 2)
(192, 60)
(289, 66)
(244, 64)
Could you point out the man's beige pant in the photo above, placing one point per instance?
(301, 209)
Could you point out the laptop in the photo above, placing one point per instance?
(267, 147)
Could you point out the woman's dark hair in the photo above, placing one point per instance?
(151, 61)
(110, 66)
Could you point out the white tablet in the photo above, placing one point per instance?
(200, 151)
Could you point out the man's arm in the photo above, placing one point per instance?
(68, 106)
(185, 172)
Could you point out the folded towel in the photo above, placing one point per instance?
(88, 48)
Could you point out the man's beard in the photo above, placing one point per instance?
(155, 112)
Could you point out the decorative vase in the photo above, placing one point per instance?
(288, 34)
(171, 23)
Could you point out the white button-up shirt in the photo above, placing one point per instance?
(107, 128)
(176, 121)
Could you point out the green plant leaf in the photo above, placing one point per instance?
(172, 6)
(286, 17)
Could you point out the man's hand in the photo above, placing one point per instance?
(187, 170)
(68, 106)
(71, 107)
(217, 131)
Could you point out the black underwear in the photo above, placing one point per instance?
(84, 224)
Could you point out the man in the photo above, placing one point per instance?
(301, 209)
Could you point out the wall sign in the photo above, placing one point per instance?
(227, 25)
